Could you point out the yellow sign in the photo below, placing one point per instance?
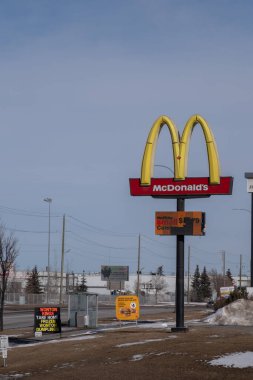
(180, 149)
(127, 308)
(225, 291)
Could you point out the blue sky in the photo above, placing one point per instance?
(81, 84)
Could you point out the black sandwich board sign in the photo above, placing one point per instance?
(47, 320)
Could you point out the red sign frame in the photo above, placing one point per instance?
(191, 187)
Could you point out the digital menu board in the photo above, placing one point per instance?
(180, 223)
(47, 320)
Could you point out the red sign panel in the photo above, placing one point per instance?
(190, 187)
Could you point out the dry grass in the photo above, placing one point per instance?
(155, 354)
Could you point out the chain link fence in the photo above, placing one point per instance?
(41, 299)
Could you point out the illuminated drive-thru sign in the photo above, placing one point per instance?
(180, 185)
(180, 223)
(47, 320)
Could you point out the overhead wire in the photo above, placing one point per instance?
(89, 228)
(157, 254)
(99, 244)
(21, 212)
(102, 230)
(156, 241)
(30, 231)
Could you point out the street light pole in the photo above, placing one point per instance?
(166, 167)
(62, 256)
(49, 201)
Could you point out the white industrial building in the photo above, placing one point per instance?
(17, 283)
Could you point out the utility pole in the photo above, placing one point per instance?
(188, 285)
(240, 273)
(138, 265)
(224, 266)
(49, 201)
(62, 256)
(73, 280)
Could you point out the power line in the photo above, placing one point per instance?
(99, 244)
(157, 254)
(101, 230)
(29, 231)
(158, 242)
(14, 211)
(87, 253)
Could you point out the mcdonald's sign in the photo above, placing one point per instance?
(180, 185)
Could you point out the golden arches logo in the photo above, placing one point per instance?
(180, 149)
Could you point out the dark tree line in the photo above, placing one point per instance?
(201, 286)
(33, 285)
(82, 288)
(203, 283)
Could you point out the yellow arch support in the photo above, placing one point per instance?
(180, 149)
(147, 168)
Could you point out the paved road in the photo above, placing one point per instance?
(16, 317)
(19, 317)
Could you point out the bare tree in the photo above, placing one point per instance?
(158, 284)
(14, 285)
(218, 280)
(8, 255)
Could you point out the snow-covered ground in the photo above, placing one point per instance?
(239, 313)
(235, 360)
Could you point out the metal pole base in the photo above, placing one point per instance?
(179, 329)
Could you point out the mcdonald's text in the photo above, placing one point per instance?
(190, 187)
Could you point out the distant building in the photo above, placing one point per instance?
(17, 283)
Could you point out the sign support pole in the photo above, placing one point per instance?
(180, 277)
(138, 266)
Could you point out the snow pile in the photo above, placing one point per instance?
(239, 312)
(236, 360)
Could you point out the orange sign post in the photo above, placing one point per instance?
(127, 308)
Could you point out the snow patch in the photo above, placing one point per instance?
(137, 343)
(137, 357)
(144, 342)
(86, 337)
(15, 376)
(235, 360)
(155, 325)
(239, 312)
